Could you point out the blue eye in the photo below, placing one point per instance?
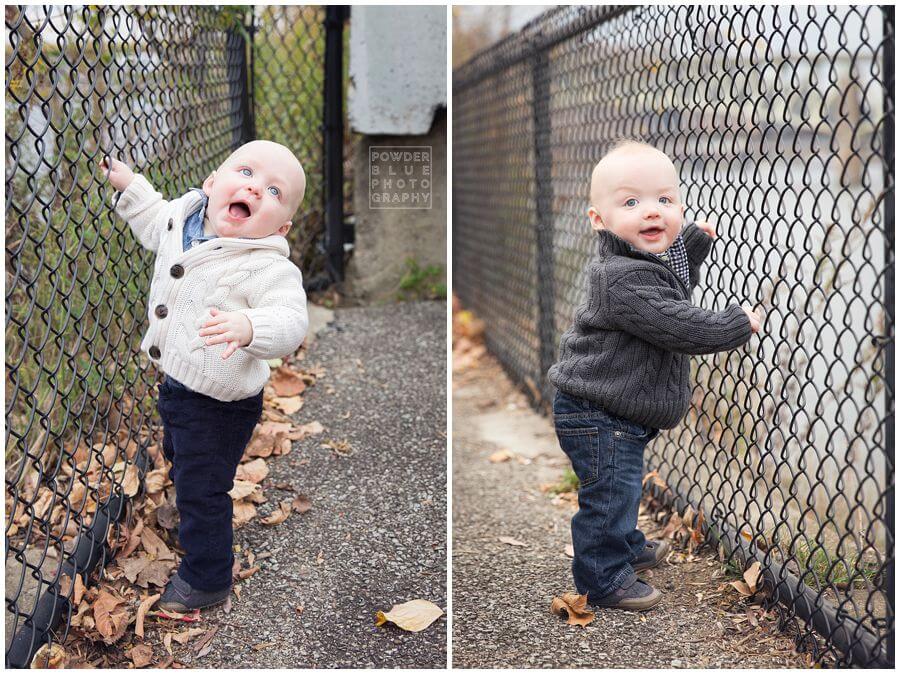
(247, 172)
(665, 200)
(631, 202)
(274, 190)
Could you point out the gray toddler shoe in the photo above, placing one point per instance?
(652, 555)
(181, 597)
(633, 595)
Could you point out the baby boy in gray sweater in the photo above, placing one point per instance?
(624, 366)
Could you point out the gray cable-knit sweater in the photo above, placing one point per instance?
(629, 348)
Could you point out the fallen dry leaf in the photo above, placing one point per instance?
(252, 471)
(751, 575)
(246, 573)
(278, 516)
(167, 516)
(512, 541)
(111, 616)
(500, 456)
(262, 645)
(570, 550)
(183, 637)
(301, 503)
(288, 405)
(242, 488)
(573, 607)
(286, 382)
(412, 616)
(142, 612)
(141, 655)
(242, 513)
(155, 481)
(204, 644)
(339, 447)
(50, 656)
(154, 545)
(192, 617)
(306, 430)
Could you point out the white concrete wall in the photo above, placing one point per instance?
(398, 68)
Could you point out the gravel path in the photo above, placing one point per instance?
(502, 593)
(376, 534)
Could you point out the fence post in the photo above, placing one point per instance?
(335, 16)
(543, 161)
(242, 123)
(889, 317)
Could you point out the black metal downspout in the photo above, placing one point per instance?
(242, 125)
(335, 17)
(890, 556)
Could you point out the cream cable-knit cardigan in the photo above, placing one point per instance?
(253, 276)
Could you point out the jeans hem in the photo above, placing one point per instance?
(617, 580)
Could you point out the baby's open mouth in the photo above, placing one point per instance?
(652, 231)
(239, 209)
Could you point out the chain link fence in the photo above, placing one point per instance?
(165, 89)
(780, 122)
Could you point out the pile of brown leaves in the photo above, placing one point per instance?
(468, 342)
(112, 624)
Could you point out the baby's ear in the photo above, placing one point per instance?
(208, 183)
(596, 220)
(285, 227)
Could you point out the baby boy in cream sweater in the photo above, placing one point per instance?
(224, 298)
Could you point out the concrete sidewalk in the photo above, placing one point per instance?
(376, 534)
(502, 592)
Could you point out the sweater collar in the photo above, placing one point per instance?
(612, 244)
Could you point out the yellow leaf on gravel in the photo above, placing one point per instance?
(501, 456)
(574, 607)
(412, 616)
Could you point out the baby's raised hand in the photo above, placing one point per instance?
(119, 174)
(707, 228)
(228, 326)
(754, 318)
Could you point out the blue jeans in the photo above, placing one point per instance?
(204, 438)
(607, 455)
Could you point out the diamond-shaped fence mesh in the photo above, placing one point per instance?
(165, 89)
(780, 123)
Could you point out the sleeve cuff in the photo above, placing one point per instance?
(696, 243)
(264, 333)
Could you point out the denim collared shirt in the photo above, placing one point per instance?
(193, 226)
